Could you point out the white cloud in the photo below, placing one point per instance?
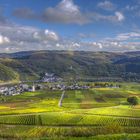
(133, 10)
(4, 39)
(22, 38)
(100, 45)
(28, 38)
(119, 16)
(77, 45)
(50, 35)
(45, 36)
(131, 7)
(128, 36)
(7, 49)
(68, 6)
(106, 5)
(122, 42)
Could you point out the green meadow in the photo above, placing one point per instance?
(96, 113)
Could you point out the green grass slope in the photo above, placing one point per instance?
(7, 74)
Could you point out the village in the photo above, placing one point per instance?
(19, 89)
(56, 83)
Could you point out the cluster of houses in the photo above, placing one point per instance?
(16, 89)
(19, 89)
(68, 87)
(51, 77)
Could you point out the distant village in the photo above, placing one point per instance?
(16, 89)
(57, 84)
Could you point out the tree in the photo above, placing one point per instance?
(133, 100)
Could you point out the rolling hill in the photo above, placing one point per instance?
(67, 64)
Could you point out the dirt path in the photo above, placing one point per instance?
(61, 99)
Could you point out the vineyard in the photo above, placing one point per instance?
(93, 112)
(69, 119)
(53, 132)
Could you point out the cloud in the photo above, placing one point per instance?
(50, 35)
(119, 16)
(115, 46)
(67, 12)
(131, 7)
(122, 42)
(133, 10)
(45, 35)
(4, 39)
(86, 35)
(28, 38)
(24, 13)
(106, 5)
(128, 36)
(23, 38)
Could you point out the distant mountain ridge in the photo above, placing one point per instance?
(70, 64)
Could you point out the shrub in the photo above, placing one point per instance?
(133, 100)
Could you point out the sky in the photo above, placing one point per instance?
(84, 25)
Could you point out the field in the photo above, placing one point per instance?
(96, 113)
